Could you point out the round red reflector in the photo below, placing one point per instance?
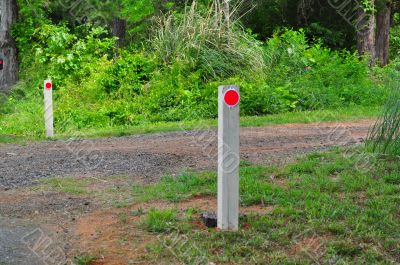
(231, 97)
(48, 86)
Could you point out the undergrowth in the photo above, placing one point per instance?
(174, 76)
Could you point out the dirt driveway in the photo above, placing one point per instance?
(29, 216)
(147, 157)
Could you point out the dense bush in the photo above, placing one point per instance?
(304, 77)
(126, 77)
(175, 75)
(205, 43)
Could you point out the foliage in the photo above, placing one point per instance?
(320, 19)
(93, 91)
(31, 17)
(127, 76)
(206, 44)
(66, 52)
(175, 74)
(301, 76)
(395, 38)
(69, 60)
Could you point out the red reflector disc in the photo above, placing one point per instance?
(231, 98)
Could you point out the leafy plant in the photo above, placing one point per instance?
(126, 77)
(174, 76)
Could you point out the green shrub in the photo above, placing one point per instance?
(65, 52)
(93, 91)
(204, 42)
(75, 64)
(126, 77)
(317, 77)
(260, 98)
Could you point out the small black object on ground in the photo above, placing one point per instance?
(209, 219)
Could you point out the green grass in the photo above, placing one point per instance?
(175, 189)
(67, 185)
(84, 260)
(345, 114)
(161, 221)
(330, 204)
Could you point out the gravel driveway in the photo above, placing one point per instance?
(147, 157)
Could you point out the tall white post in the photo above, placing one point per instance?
(48, 108)
(228, 158)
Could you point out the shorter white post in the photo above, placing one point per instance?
(48, 108)
(228, 158)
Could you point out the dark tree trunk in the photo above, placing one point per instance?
(8, 52)
(119, 30)
(366, 34)
(383, 34)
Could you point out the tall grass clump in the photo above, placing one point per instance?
(207, 42)
(384, 137)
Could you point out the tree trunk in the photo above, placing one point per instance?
(366, 34)
(8, 52)
(119, 30)
(383, 34)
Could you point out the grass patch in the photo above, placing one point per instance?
(343, 114)
(161, 221)
(178, 188)
(84, 260)
(67, 185)
(4, 138)
(326, 206)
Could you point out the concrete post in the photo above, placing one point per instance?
(228, 158)
(48, 108)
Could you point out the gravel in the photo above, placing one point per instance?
(147, 157)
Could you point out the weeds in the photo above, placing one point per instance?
(161, 221)
(84, 260)
(384, 137)
(67, 185)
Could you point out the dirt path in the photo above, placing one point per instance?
(40, 227)
(147, 157)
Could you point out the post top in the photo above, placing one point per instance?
(48, 85)
(231, 95)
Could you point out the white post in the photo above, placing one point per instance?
(228, 158)
(48, 108)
